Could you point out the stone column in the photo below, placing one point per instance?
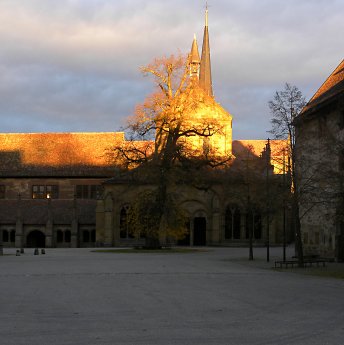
(19, 240)
(243, 226)
(49, 228)
(108, 221)
(74, 226)
(216, 228)
(100, 223)
(192, 226)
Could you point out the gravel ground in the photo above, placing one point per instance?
(76, 296)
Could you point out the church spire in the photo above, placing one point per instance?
(194, 59)
(205, 69)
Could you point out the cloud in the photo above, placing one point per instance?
(72, 65)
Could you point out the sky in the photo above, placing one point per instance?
(73, 65)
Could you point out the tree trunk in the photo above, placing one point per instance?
(298, 235)
(250, 235)
(153, 238)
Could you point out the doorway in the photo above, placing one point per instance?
(35, 239)
(200, 231)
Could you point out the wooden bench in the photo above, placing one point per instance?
(306, 263)
(317, 262)
(286, 263)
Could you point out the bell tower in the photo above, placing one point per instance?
(208, 110)
(194, 60)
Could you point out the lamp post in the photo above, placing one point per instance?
(284, 215)
(267, 154)
(1, 245)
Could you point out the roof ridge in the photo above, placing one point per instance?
(322, 89)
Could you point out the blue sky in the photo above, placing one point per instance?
(74, 65)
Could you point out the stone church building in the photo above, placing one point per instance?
(64, 190)
(218, 214)
(320, 150)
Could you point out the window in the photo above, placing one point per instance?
(59, 236)
(254, 224)
(8, 235)
(67, 236)
(5, 236)
(63, 236)
(94, 191)
(45, 191)
(85, 236)
(88, 191)
(82, 192)
(52, 192)
(124, 223)
(2, 191)
(232, 222)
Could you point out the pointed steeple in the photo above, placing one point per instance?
(194, 59)
(205, 69)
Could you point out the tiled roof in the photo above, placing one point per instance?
(51, 154)
(243, 149)
(331, 87)
(256, 147)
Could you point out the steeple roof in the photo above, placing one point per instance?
(194, 55)
(205, 80)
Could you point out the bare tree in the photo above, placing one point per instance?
(245, 182)
(162, 138)
(284, 108)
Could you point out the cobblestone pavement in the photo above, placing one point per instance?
(78, 297)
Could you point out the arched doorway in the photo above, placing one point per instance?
(35, 239)
(200, 231)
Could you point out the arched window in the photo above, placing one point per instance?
(59, 236)
(86, 236)
(254, 223)
(5, 236)
(67, 236)
(232, 222)
(124, 225)
(12, 236)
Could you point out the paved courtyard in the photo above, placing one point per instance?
(75, 296)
